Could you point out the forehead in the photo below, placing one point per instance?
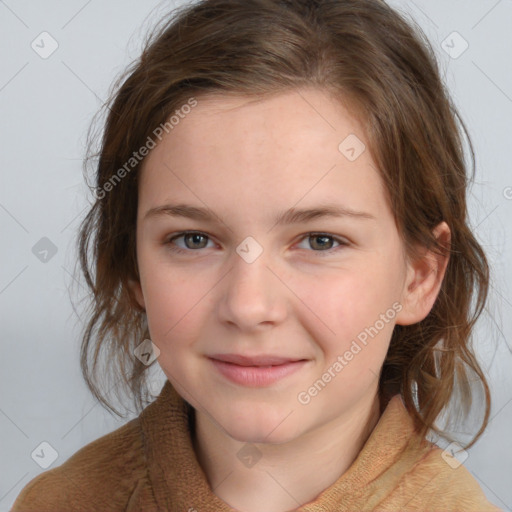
(309, 110)
(285, 148)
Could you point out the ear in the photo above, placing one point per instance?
(424, 278)
(136, 290)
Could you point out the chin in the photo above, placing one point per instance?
(256, 436)
(258, 427)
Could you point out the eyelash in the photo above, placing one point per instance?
(173, 248)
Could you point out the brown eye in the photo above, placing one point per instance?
(195, 240)
(192, 242)
(323, 243)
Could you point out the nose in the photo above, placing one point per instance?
(252, 296)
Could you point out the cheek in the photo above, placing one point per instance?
(345, 299)
(173, 309)
(173, 301)
(352, 313)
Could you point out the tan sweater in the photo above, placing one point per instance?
(149, 465)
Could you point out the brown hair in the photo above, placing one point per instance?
(362, 52)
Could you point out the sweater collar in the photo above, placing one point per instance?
(179, 483)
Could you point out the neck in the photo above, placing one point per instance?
(286, 475)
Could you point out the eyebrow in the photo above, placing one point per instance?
(290, 216)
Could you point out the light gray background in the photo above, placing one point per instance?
(46, 106)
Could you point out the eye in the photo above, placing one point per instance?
(323, 242)
(193, 240)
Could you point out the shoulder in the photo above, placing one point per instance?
(445, 484)
(421, 476)
(104, 472)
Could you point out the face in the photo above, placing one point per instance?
(270, 320)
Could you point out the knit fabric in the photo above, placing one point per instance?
(149, 465)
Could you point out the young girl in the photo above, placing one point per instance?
(280, 224)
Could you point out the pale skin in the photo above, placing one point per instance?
(246, 161)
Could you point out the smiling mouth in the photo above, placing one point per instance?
(258, 360)
(257, 371)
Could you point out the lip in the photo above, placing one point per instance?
(259, 360)
(256, 371)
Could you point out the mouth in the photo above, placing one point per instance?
(256, 371)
